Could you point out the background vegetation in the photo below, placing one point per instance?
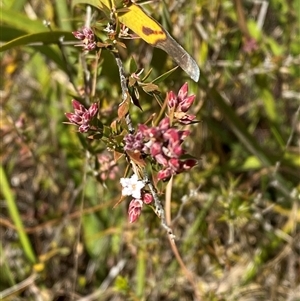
(236, 215)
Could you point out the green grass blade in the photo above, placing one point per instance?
(21, 21)
(15, 216)
(64, 18)
(42, 37)
(17, 4)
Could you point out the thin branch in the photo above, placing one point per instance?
(18, 287)
(241, 19)
(87, 74)
(262, 14)
(159, 210)
(62, 220)
(113, 273)
(77, 243)
(124, 90)
(189, 275)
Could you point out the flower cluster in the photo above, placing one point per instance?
(82, 117)
(87, 37)
(108, 167)
(250, 45)
(180, 104)
(134, 187)
(164, 144)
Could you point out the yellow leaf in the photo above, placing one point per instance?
(135, 18)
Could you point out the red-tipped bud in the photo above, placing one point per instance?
(164, 174)
(155, 149)
(93, 110)
(172, 99)
(161, 159)
(186, 103)
(147, 198)
(135, 209)
(188, 164)
(183, 92)
(81, 116)
(164, 124)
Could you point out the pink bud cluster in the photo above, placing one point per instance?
(82, 117)
(250, 45)
(108, 167)
(180, 104)
(164, 144)
(87, 37)
(136, 205)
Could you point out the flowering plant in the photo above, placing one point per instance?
(155, 146)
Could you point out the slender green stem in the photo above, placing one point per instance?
(15, 216)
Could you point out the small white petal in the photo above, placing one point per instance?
(132, 186)
(134, 178)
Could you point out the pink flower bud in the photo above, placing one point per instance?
(81, 116)
(164, 124)
(93, 110)
(174, 149)
(87, 38)
(147, 198)
(164, 174)
(78, 106)
(174, 164)
(172, 99)
(183, 134)
(155, 149)
(78, 35)
(161, 159)
(187, 119)
(152, 132)
(135, 209)
(186, 103)
(183, 92)
(188, 164)
(83, 128)
(142, 128)
(171, 135)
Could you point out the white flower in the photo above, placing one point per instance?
(132, 186)
(109, 28)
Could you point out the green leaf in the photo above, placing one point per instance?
(95, 3)
(251, 163)
(238, 128)
(63, 14)
(21, 21)
(255, 32)
(133, 65)
(42, 37)
(16, 5)
(274, 46)
(162, 77)
(15, 216)
(91, 228)
(269, 104)
(8, 33)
